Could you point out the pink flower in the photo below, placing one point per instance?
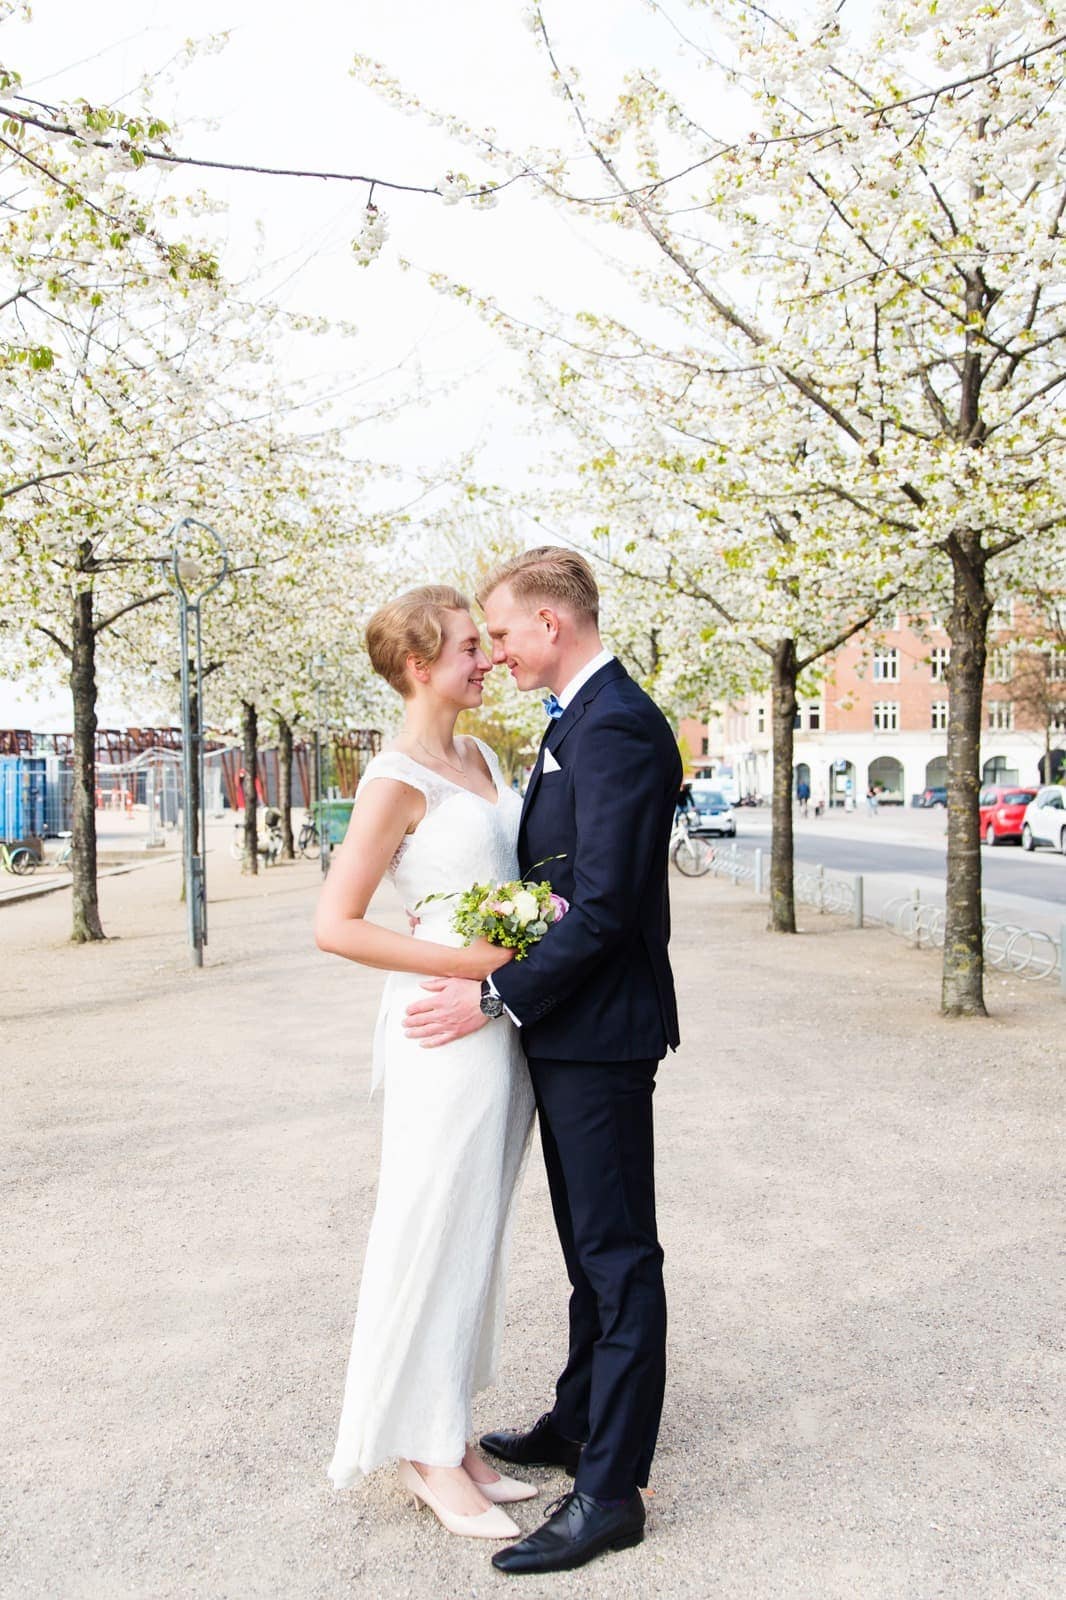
(559, 906)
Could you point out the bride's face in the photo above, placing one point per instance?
(459, 671)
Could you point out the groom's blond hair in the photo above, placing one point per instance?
(548, 573)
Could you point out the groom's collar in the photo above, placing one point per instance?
(582, 676)
(588, 685)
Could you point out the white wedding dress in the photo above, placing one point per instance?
(455, 1132)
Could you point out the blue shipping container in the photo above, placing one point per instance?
(22, 796)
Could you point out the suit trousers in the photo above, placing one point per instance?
(596, 1133)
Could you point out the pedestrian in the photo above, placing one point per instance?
(686, 805)
(871, 800)
(803, 795)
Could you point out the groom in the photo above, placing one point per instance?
(595, 1002)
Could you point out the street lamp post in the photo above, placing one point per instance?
(186, 579)
(321, 760)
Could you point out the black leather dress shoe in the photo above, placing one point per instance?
(577, 1529)
(542, 1446)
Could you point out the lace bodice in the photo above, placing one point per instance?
(462, 839)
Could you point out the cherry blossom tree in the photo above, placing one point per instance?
(855, 238)
(138, 387)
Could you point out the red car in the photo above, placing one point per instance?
(1002, 807)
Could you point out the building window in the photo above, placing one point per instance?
(886, 666)
(939, 657)
(1002, 614)
(814, 718)
(797, 720)
(938, 716)
(705, 746)
(1001, 716)
(1058, 719)
(886, 716)
(760, 720)
(1000, 666)
(1056, 664)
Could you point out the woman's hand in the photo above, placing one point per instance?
(481, 959)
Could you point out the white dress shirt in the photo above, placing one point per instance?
(582, 676)
(578, 681)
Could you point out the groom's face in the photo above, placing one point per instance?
(522, 637)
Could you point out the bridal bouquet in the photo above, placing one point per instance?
(513, 915)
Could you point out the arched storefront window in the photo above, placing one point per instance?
(885, 774)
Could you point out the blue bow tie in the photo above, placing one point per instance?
(553, 708)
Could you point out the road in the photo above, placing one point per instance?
(898, 850)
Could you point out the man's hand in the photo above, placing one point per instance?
(450, 1011)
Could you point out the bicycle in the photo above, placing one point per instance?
(308, 844)
(691, 856)
(18, 859)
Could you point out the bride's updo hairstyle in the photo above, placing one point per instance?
(410, 625)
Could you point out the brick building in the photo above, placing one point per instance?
(881, 717)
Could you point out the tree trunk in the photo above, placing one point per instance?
(250, 740)
(962, 986)
(86, 924)
(288, 847)
(782, 864)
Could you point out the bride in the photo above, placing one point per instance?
(434, 815)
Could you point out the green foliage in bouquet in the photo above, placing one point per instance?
(512, 915)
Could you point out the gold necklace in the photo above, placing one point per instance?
(432, 757)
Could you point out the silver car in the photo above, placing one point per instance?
(1045, 819)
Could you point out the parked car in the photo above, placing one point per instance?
(716, 815)
(1045, 819)
(937, 796)
(1002, 810)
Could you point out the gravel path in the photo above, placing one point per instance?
(859, 1202)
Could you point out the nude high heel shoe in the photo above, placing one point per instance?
(490, 1524)
(505, 1491)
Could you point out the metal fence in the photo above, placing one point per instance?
(1008, 947)
(1022, 952)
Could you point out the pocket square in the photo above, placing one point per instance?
(550, 763)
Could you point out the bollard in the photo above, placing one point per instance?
(819, 873)
(1062, 958)
(916, 899)
(856, 892)
(758, 872)
(733, 863)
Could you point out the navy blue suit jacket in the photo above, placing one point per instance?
(598, 987)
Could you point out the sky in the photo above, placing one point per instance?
(280, 93)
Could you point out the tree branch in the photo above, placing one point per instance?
(56, 640)
(134, 605)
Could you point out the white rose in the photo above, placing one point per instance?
(526, 908)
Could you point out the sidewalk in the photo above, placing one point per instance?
(859, 1205)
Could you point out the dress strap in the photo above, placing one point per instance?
(393, 764)
(403, 769)
(492, 760)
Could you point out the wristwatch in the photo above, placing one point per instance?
(491, 1004)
